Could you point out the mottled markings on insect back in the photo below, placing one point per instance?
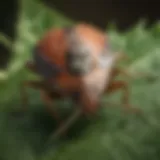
(106, 57)
(78, 59)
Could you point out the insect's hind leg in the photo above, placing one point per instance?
(122, 85)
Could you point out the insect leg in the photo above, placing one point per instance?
(48, 100)
(117, 85)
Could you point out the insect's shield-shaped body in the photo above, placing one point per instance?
(79, 51)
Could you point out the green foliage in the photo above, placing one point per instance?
(113, 135)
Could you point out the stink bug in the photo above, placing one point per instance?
(76, 62)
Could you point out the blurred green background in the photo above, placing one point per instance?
(113, 135)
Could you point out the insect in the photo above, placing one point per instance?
(76, 62)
